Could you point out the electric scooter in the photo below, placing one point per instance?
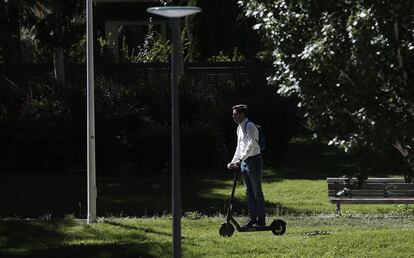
(278, 226)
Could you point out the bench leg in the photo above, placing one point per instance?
(338, 209)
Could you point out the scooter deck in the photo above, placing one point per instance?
(253, 229)
(227, 228)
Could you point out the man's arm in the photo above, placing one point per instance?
(252, 138)
(237, 154)
(235, 162)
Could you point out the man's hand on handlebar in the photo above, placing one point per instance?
(234, 166)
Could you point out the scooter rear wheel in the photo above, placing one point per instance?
(226, 230)
(278, 227)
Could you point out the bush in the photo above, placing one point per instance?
(133, 125)
(203, 148)
(41, 134)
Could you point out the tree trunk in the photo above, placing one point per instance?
(191, 53)
(58, 59)
(58, 64)
(399, 55)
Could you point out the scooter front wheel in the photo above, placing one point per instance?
(226, 230)
(278, 227)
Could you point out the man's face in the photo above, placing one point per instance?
(238, 117)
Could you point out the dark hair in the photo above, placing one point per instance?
(241, 108)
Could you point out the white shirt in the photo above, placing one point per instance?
(247, 141)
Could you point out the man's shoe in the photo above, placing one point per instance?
(259, 224)
(250, 223)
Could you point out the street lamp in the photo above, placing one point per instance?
(90, 117)
(174, 13)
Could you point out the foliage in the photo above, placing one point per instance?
(350, 62)
(221, 57)
(202, 41)
(42, 125)
(54, 23)
(154, 48)
(202, 148)
(48, 129)
(133, 124)
(222, 26)
(32, 51)
(104, 53)
(76, 53)
(118, 114)
(207, 132)
(10, 21)
(9, 96)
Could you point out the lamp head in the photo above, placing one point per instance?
(174, 11)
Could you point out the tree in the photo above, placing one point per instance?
(56, 25)
(350, 63)
(222, 27)
(10, 40)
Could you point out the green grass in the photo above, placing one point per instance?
(53, 196)
(295, 191)
(306, 236)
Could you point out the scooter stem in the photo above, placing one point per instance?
(230, 207)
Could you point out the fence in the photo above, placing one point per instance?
(245, 72)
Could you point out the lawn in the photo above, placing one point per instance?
(307, 236)
(134, 218)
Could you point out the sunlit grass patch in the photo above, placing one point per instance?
(306, 236)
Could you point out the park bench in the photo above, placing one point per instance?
(344, 190)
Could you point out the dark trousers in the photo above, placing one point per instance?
(251, 170)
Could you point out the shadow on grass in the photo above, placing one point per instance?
(29, 235)
(129, 227)
(203, 197)
(47, 196)
(120, 197)
(19, 238)
(54, 196)
(92, 251)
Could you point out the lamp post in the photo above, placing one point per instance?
(174, 13)
(90, 117)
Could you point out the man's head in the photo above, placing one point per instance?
(239, 113)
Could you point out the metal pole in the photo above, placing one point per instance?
(176, 63)
(90, 117)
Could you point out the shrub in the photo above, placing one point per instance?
(40, 135)
(133, 125)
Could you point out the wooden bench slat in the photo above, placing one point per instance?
(373, 186)
(373, 180)
(372, 200)
(390, 187)
(374, 192)
(370, 191)
(401, 196)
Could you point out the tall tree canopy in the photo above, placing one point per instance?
(57, 26)
(10, 21)
(351, 64)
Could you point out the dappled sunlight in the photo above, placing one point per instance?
(216, 198)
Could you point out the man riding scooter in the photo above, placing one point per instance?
(248, 159)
